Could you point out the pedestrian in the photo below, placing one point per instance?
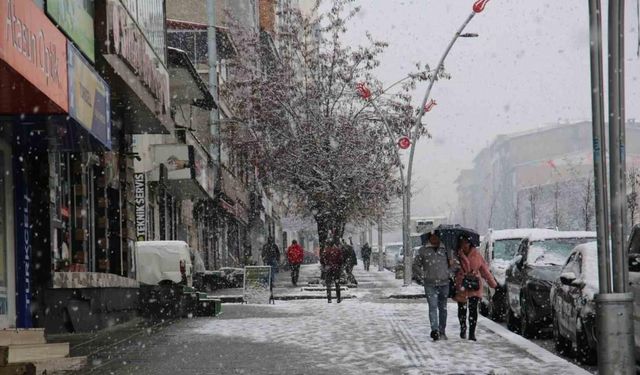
(271, 256)
(432, 265)
(295, 255)
(350, 261)
(365, 252)
(333, 261)
(468, 283)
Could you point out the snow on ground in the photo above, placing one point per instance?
(381, 338)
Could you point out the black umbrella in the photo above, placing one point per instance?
(450, 233)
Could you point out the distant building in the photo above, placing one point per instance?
(538, 178)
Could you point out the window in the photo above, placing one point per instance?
(193, 42)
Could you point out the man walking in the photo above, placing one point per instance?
(350, 261)
(333, 261)
(432, 265)
(365, 252)
(271, 256)
(295, 255)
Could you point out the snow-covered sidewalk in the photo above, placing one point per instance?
(358, 337)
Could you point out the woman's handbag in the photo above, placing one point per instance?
(470, 282)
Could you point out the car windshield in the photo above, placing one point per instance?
(553, 251)
(505, 249)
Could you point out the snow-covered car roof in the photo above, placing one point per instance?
(393, 244)
(505, 234)
(561, 234)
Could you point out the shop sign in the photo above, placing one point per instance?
(88, 97)
(35, 48)
(177, 158)
(140, 198)
(257, 284)
(201, 166)
(128, 42)
(76, 19)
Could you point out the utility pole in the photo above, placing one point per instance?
(214, 116)
(614, 305)
(380, 257)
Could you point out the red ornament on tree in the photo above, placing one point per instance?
(363, 91)
(404, 142)
(479, 5)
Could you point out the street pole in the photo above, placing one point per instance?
(406, 213)
(614, 306)
(214, 117)
(380, 259)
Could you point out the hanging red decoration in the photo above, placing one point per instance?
(479, 5)
(363, 91)
(429, 106)
(404, 142)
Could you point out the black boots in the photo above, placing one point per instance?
(463, 331)
(435, 335)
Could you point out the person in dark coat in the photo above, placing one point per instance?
(271, 255)
(295, 256)
(350, 261)
(365, 251)
(333, 262)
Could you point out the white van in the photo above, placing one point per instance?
(163, 262)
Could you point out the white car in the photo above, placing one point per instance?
(163, 262)
(498, 247)
(392, 254)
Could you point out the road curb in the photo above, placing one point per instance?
(238, 299)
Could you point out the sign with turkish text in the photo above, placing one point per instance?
(89, 97)
(76, 19)
(127, 41)
(177, 158)
(35, 48)
(140, 198)
(257, 284)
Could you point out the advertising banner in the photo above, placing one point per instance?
(177, 158)
(257, 284)
(89, 97)
(76, 19)
(149, 15)
(201, 166)
(140, 197)
(35, 48)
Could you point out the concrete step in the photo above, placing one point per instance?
(22, 336)
(32, 352)
(60, 365)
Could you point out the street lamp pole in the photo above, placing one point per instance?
(406, 208)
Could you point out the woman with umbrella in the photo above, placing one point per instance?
(468, 281)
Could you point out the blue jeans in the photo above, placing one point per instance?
(437, 299)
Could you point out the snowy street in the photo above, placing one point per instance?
(369, 334)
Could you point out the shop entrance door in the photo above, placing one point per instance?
(7, 246)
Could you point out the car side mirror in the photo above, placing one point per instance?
(634, 262)
(568, 278)
(519, 261)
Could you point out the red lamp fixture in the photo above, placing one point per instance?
(363, 91)
(404, 142)
(479, 5)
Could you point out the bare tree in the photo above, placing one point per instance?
(632, 198)
(587, 202)
(534, 197)
(557, 215)
(516, 211)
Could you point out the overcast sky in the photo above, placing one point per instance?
(528, 68)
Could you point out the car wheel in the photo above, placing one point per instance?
(527, 328)
(513, 324)
(562, 345)
(484, 309)
(584, 353)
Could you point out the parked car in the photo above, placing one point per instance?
(573, 306)
(498, 247)
(634, 282)
(536, 265)
(392, 254)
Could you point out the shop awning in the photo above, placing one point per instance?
(187, 87)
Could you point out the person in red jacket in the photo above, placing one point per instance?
(333, 261)
(295, 255)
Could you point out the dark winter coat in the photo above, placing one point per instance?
(350, 256)
(333, 259)
(432, 265)
(366, 252)
(270, 253)
(295, 254)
